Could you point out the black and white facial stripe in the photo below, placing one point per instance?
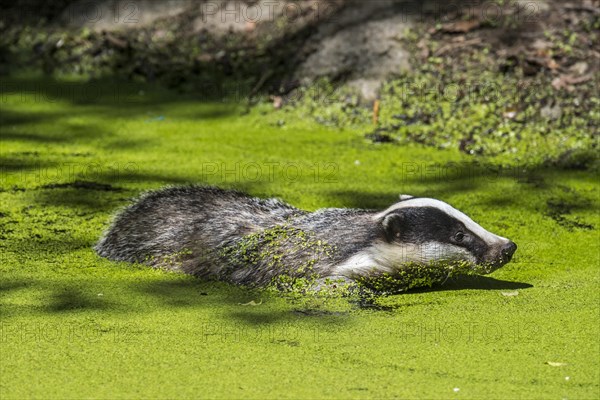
(423, 230)
(421, 225)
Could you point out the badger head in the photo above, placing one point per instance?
(425, 231)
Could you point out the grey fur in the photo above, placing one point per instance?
(226, 235)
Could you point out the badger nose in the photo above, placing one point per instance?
(508, 250)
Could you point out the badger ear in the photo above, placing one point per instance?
(405, 197)
(392, 225)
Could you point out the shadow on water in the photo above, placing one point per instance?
(260, 317)
(248, 306)
(7, 286)
(74, 299)
(14, 118)
(24, 107)
(92, 195)
(188, 292)
(358, 199)
(475, 282)
(242, 305)
(462, 282)
(474, 177)
(25, 103)
(107, 96)
(12, 164)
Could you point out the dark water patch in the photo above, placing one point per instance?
(12, 163)
(11, 285)
(374, 306)
(318, 313)
(560, 206)
(179, 293)
(85, 185)
(71, 299)
(379, 137)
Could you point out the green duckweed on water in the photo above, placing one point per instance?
(74, 325)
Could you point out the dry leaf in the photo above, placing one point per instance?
(551, 64)
(580, 79)
(559, 83)
(376, 112)
(115, 41)
(510, 294)
(457, 45)
(205, 58)
(277, 102)
(555, 364)
(250, 26)
(251, 303)
(579, 68)
(567, 81)
(542, 45)
(422, 45)
(510, 113)
(460, 26)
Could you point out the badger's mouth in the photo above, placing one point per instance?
(420, 274)
(497, 257)
(485, 268)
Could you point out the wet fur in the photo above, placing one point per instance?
(227, 235)
(205, 220)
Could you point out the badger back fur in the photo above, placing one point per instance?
(227, 235)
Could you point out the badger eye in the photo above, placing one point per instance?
(459, 237)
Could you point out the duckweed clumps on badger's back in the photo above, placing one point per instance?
(413, 275)
(274, 253)
(173, 260)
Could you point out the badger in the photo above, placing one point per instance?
(227, 235)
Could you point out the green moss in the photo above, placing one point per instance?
(478, 102)
(481, 113)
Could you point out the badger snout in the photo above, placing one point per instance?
(507, 251)
(498, 255)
